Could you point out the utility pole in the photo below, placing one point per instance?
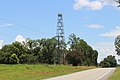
(60, 40)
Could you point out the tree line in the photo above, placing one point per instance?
(44, 51)
(109, 61)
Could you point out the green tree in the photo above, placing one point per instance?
(110, 61)
(117, 44)
(14, 51)
(4, 57)
(44, 49)
(73, 41)
(73, 57)
(49, 50)
(84, 53)
(94, 57)
(13, 59)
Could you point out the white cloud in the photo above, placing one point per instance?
(109, 2)
(20, 38)
(80, 4)
(93, 4)
(113, 33)
(104, 49)
(6, 24)
(95, 26)
(1, 43)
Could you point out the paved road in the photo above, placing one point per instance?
(93, 74)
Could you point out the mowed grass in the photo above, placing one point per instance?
(115, 75)
(36, 72)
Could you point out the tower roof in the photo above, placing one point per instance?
(59, 14)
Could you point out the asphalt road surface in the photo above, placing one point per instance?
(93, 74)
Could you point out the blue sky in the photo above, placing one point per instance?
(95, 21)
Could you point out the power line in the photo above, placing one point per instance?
(25, 28)
(8, 35)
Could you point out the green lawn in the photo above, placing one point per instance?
(36, 72)
(115, 75)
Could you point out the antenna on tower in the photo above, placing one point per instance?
(60, 40)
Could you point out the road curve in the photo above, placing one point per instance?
(93, 74)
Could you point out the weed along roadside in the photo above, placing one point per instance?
(115, 75)
(36, 72)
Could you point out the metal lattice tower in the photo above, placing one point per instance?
(60, 39)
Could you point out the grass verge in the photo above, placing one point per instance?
(36, 72)
(115, 75)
